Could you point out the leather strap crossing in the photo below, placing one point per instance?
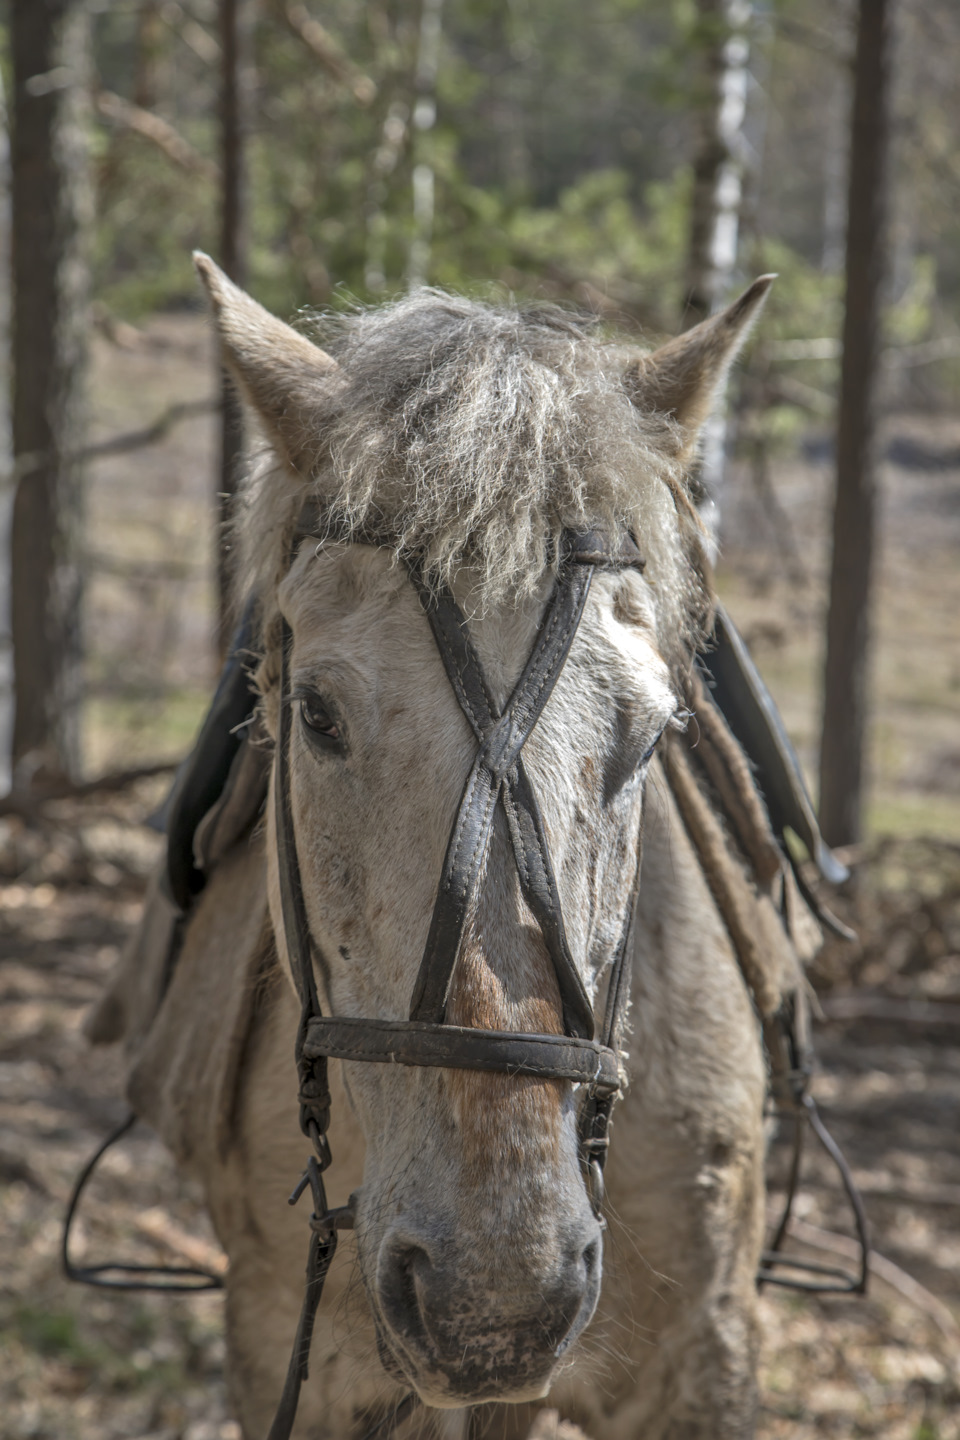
(498, 773)
(497, 776)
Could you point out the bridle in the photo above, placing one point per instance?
(579, 1055)
(497, 776)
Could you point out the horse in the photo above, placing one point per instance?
(470, 565)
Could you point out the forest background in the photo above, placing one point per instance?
(639, 160)
(521, 148)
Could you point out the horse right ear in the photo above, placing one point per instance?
(280, 372)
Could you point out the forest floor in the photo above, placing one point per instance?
(79, 1364)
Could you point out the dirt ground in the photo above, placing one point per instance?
(77, 1364)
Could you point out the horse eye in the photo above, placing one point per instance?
(647, 755)
(317, 718)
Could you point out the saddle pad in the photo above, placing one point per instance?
(184, 1069)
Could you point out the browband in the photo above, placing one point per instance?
(618, 551)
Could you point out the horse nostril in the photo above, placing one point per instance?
(583, 1288)
(401, 1266)
(591, 1260)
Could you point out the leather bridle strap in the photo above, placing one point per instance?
(301, 949)
(424, 1040)
(314, 1094)
(408, 1042)
(498, 773)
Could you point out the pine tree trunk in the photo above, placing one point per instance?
(49, 45)
(234, 24)
(845, 673)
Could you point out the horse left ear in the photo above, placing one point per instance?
(685, 377)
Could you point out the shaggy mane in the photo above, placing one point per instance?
(472, 435)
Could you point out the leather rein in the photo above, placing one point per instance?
(497, 776)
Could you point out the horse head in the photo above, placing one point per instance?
(441, 449)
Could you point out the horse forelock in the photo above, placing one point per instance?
(471, 436)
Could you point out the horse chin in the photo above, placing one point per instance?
(443, 1392)
(494, 1394)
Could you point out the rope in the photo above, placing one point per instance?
(728, 885)
(729, 772)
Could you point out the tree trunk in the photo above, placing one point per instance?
(845, 671)
(49, 45)
(234, 26)
(151, 35)
(424, 119)
(715, 203)
(719, 155)
(6, 459)
(835, 178)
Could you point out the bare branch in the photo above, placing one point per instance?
(927, 352)
(158, 1226)
(200, 41)
(151, 434)
(160, 132)
(324, 48)
(33, 460)
(899, 1191)
(947, 347)
(27, 800)
(864, 1006)
(144, 571)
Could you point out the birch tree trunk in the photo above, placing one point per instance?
(848, 619)
(718, 169)
(424, 119)
(234, 86)
(719, 155)
(51, 212)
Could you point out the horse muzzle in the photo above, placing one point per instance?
(461, 1336)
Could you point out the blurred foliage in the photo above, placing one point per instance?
(549, 158)
(560, 157)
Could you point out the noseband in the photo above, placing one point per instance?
(497, 776)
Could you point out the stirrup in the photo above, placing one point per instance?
(835, 1280)
(116, 1274)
